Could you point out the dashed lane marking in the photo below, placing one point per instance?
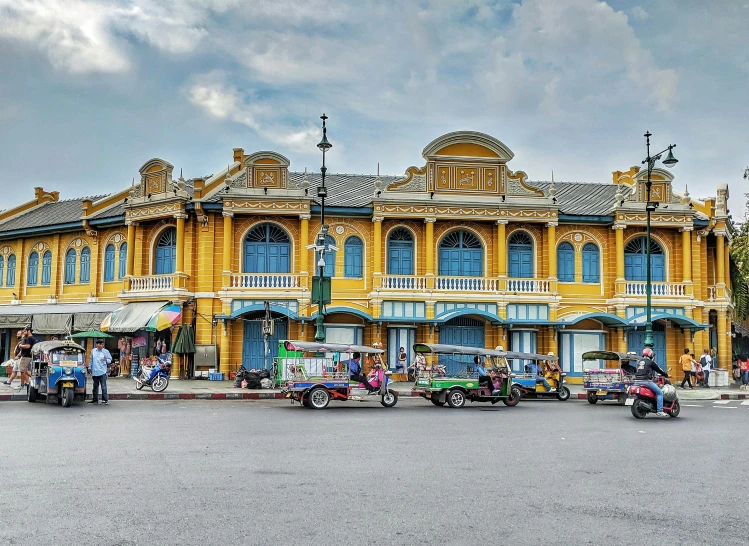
(722, 401)
(725, 407)
(745, 403)
(693, 405)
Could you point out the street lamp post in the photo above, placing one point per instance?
(669, 162)
(322, 192)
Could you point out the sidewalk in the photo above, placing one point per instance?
(123, 388)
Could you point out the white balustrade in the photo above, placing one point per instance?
(711, 293)
(658, 289)
(528, 286)
(271, 281)
(466, 284)
(402, 282)
(158, 283)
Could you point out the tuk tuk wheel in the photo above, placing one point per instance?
(389, 399)
(67, 397)
(31, 394)
(563, 394)
(514, 398)
(456, 398)
(319, 398)
(592, 397)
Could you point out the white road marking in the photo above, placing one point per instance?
(722, 402)
(693, 405)
(745, 403)
(725, 407)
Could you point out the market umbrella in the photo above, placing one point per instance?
(107, 322)
(91, 333)
(184, 344)
(165, 317)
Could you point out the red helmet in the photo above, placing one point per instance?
(648, 353)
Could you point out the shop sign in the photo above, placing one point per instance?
(139, 341)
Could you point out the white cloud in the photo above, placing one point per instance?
(639, 13)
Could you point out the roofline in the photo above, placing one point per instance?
(586, 219)
(70, 226)
(346, 211)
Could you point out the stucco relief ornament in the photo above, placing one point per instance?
(578, 237)
(339, 230)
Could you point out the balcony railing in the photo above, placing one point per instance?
(466, 284)
(658, 289)
(528, 286)
(712, 293)
(157, 283)
(270, 281)
(402, 282)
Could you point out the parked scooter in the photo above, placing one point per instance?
(643, 400)
(156, 377)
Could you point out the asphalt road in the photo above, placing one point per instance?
(209, 473)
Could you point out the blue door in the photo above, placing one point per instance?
(267, 249)
(636, 343)
(253, 344)
(166, 254)
(400, 253)
(463, 331)
(635, 261)
(522, 341)
(461, 254)
(521, 255)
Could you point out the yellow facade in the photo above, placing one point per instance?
(464, 212)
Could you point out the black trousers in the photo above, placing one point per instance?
(488, 380)
(687, 379)
(362, 379)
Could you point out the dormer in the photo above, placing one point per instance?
(660, 188)
(267, 170)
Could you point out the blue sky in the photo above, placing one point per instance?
(90, 90)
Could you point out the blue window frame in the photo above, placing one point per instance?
(635, 261)
(566, 262)
(400, 252)
(70, 258)
(591, 263)
(461, 254)
(85, 276)
(46, 268)
(166, 253)
(330, 256)
(10, 279)
(352, 257)
(123, 262)
(2, 268)
(267, 249)
(520, 249)
(33, 269)
(109, 263)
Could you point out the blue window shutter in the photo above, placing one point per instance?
(33, 269)
(590, 263)
(2, 267)
(166, 253)
(85, 276)
(461, 254)
(267, 249)
(70, 259)
(11, 278)
(400, 252)
(123, 261)
(566, 262)
(352, 258)
(46, 268)
(109, 263)
(330, 256)
(657, 269)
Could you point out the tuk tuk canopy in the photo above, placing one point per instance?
(315, 347)
(443, 349)
(47, 346)
(609, 355)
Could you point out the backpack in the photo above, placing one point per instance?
(703, 361)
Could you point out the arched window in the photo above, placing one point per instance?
(520, 249)
(11, 276)
(400, 252)
(461, 254)
(70, 258)
(330, 256)
(352, 257)
(46, 268)
(2, 268)
(267, 249)
(85, 276)
(590, 263)
(566, 262)
(33, 269)
(123, 262)
(166, 253)
(635, 260)
(109, 263)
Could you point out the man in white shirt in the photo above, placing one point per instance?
(706, 361)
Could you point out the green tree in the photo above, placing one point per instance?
(740, 263)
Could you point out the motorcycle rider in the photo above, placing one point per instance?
(646, 369)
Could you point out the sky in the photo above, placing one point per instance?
(91, 90)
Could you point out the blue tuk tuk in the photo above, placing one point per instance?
(58, 373)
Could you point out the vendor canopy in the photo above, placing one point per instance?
(54, 318)
(131, 317)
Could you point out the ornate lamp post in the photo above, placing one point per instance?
(669, 162)
(322, 192)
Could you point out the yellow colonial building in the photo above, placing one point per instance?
(460, 249)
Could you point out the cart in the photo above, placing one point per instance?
(539, 371)
(58, 373)
(608, 383)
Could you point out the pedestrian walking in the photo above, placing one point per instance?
(744, 368)
(15, 360)
(99, 365)
(686, 365)
(27, 342)
(706, 362)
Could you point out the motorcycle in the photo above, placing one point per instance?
(643, 400)
(156, 377)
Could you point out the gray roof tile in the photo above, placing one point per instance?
(582, 198)
(48, 214)
(116, 210)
